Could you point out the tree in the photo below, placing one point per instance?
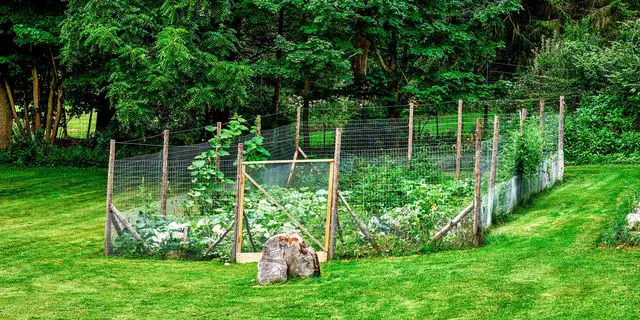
(29, 32)
(160, 64)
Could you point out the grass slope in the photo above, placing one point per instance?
(542, 264)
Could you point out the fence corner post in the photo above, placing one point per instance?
(410, 139)
(477, 196)
(238, 205)
(459, 140)
(165, 172)
(107, 219)
(561, 140)
(334, 193)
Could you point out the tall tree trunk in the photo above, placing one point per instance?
(65, 133)
(47, 130)
(359, 65)
(36, 96)
(306, 94)
(5, 120)
(103, 118)
(12, 104)
(277, 87)
(27, 121)
(56, 122)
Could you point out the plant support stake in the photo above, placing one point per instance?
(561, 140)
(459, 140)
(165, 172)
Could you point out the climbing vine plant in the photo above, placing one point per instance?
(209, 184)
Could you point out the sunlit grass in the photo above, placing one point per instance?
(542, 263)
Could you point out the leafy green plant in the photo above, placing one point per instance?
(209, 183)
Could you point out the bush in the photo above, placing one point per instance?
(602, 131)
(617, 233)
(29, 153)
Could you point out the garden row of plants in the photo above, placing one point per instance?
(400, 208)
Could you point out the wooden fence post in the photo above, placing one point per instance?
(541, 113)
(561, 140)
(218, 132)
(107, 219)
(477, 197)
(410, 141)
(492, 177)
(334, 192)
(296, 147)
(259, 125)
(239, 204)
(165, 173)
(523, 119)
(459, 141)
(297, 137)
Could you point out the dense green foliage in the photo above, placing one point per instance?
(541, 264)
(144, 66)
(617, 232)
(602, 70)
(27, 153)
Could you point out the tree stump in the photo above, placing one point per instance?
(284, 255)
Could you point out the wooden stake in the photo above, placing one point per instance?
(248, 226)
(165, 173)
(127, 225)
(238, 209)
(116, 226)
(492, 177)
(459, 141)
(410, 142)
(297, 137)
(453, 223)
(277, 204)
(541, 113)
(107, 219)
(477, 205)
(561, 140)
(296, 146)
(259, 125)
(241, 214)
(334, 192)
(218, 132)
(359, 224)
(523, 119)
(214, 245)
(327, 229)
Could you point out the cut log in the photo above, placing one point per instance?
(284, 255)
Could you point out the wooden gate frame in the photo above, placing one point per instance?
(247, 257)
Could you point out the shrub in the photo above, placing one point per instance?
(602, 130)
(29, 153)
(617, 233)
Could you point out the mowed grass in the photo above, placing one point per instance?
(541, 264)
(423, 127)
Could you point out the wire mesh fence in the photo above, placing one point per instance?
(404, 183)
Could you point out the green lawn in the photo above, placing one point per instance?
(542, 264)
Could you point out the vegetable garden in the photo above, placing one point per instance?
(353, 186)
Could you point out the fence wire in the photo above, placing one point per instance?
(393, 204)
